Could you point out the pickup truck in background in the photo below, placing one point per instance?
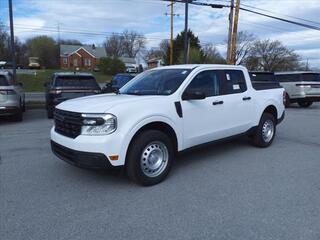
(301, 87)
(161, 112)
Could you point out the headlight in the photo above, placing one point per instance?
(98, 124)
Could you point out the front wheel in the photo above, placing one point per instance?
(265, 132)
(305, 104)
(150, 157)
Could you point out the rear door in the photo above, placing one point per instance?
(4, 85)
(238, 101)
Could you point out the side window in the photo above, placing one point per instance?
(207, 82)
(234, 82)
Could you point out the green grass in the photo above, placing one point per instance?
(34, 82)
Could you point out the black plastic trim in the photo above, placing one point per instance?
(81, 159)
(178, 109)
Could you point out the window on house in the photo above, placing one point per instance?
(65, 61)
(87, 62)
(75, 62)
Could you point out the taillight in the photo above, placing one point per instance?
(7, 92)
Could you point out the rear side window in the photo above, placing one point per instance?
(207, 82)
(288, 77)
(311, 77)
(235, 82)
(3, 81)
(76, 82)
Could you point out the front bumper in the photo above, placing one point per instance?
(8, 111)
(104, 146)
(79, 158)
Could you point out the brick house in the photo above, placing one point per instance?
(83, 57)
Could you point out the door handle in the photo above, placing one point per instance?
(217, 102)
(246, 98)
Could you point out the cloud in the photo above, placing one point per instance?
(91, 21)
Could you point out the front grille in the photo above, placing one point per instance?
(67, 123)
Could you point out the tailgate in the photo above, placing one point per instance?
(310, 88)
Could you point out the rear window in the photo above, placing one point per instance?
(3, 81)
(235, 82)
(311, 77)
(76, 82)
(262, 77)
(288, 77)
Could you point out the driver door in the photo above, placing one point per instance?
(203, 119)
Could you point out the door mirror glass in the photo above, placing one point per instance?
(193, 95)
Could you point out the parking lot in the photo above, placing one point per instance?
(229, 190)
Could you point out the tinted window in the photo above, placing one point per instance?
(120, 80)
(234, 81)
(156, 82)
(207, 82)
(3, 81)
(311, 77)
(76, 81)
(288, 77)
(262, 77)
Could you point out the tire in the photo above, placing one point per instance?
(305, 104)
(50, 113)
(24, 106)
(149, 158)
(287, 101)
(265, 132)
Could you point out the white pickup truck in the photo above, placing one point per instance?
(161, 112)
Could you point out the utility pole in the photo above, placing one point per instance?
(172, 15)
(229, 49)
(185, 52)
(58, 28)
(234, 34)
(13, 50)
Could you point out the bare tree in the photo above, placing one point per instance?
(114, 45)
(267, 55)
(133, 42)
(244, 42)
(210, 54)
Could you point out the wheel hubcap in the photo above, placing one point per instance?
(154, 159)
(267, 130)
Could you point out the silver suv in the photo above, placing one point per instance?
(12, 97)
(301, 87)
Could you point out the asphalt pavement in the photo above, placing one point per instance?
(230, 190)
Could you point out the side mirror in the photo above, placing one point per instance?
(193, 95)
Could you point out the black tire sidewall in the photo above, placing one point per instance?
(258, 138)
(139, 143)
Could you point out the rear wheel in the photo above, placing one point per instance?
(265, 132)
(149, 158)
(305, 104)
(287, 104)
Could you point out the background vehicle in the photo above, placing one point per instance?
(12, 98)
(163, 111)
(34, 63)
(301, 87)
(68, 85)
(118, 81)
(8, 65)
(131, 68)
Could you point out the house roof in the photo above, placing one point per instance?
(98, 52)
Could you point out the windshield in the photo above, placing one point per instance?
(3, 81)
(76, 82)
(311, 77)
(156, 82)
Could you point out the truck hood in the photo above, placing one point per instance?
(99, 103)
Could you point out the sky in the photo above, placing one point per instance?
(91, 21)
